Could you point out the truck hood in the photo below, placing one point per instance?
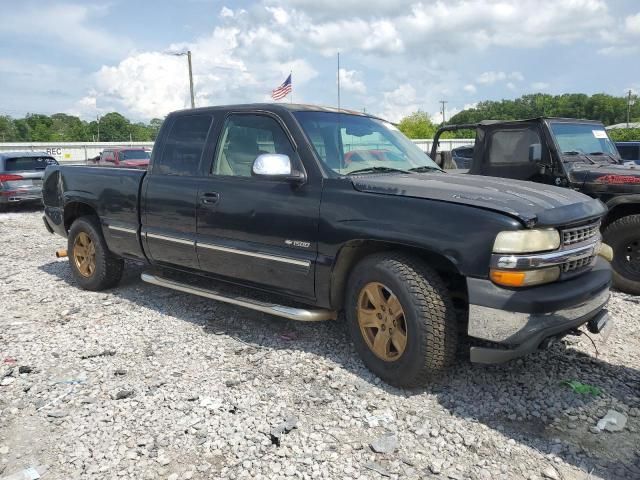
(605, 178)
(533, 204)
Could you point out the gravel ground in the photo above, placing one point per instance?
(141, 382)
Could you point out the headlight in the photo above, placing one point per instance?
(527, 241)
(526, 278)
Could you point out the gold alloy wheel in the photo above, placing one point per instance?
(84, 254)
(382, 321)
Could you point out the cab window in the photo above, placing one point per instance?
(244, 137)
(184, 145)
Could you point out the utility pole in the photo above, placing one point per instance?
(188, 55)
(98, 120)
(628, 107)
(443, 102)
(193, 102)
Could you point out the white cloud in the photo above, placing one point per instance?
(70, 25)
(540, 86)
(489, 78)
(399, 102)
(350, 81)
(226, 12)
(408, 26)
(384, 44)
(632, 24)
(230, 65)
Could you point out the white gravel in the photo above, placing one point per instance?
(141, 382)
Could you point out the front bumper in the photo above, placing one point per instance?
(517, 321)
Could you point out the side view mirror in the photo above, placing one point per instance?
(275, 165)
(535, 152)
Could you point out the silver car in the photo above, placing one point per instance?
(21, 176)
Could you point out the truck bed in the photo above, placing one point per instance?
(114, 193)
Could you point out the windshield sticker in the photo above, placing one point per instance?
(618, 179)
(599, 133)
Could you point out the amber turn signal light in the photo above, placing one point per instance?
(526, 278)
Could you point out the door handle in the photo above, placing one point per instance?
(210, 198)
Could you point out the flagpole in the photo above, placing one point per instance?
(291, 92)
(338, 80)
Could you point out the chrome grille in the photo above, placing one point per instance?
(574, 265)
(575, 235)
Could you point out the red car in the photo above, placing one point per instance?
(126, 157)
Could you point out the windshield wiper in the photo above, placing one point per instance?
(425, 168)
(575, 153)
(608, 155)
(378, 170)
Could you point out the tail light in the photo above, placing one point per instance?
(4, 177)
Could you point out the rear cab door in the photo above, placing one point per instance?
(170, 190)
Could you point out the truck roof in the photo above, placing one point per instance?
(292, 107)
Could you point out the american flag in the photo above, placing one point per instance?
(283, 90)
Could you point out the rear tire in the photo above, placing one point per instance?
(427, 322)
(94, 267)
(623, 236)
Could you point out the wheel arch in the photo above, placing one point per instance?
(74, 210)
(354, 251)
(621, 206)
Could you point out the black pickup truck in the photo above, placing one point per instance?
(331, 211)
(576, 154)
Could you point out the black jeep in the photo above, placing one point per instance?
(576, 154)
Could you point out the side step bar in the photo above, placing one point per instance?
(300, 314)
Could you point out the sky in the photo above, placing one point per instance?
(88, 57)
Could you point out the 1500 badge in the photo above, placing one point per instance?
(297, 243)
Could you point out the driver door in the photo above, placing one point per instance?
(253, 229)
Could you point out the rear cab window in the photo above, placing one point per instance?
(26, 164)
(184, 145)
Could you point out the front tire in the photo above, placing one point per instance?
(623, 236)
(94, 267)
(401, 319)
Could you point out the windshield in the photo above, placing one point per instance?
(357, 144)
(583, 138)
(134, 155)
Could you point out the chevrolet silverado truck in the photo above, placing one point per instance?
(570, 153)
(332, 212)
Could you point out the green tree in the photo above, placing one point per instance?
(417, 125)
(8, 131)
(114, 128)
(606, 108)
(624, 134)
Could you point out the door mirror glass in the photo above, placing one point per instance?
(535, 152)
(272, 165)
